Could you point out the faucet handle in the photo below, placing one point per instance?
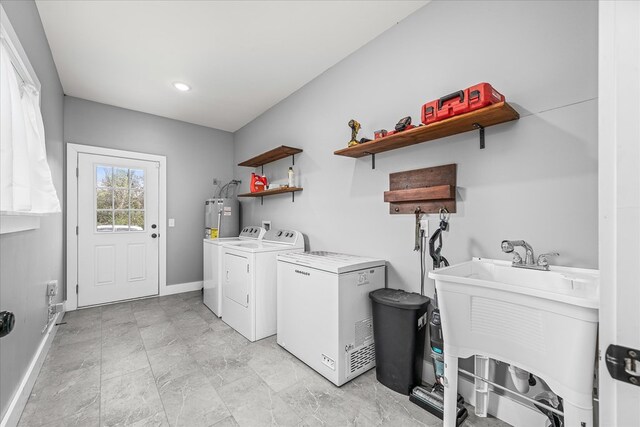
(542, 259)
(517, 259)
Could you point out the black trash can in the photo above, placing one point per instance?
(399, 319)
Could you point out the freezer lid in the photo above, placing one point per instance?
(331, 261)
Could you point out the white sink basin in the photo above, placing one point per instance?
(544, 322)
(575, 286)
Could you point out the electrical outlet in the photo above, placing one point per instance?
(52, 288)
(172, 222)
(329, 362)
(424, 224)
(266, 225)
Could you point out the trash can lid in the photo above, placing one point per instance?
(399, 298)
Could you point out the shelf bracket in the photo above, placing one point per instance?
(481, 128)
(262, 170)
(373, 160)
(293, 197)
(293, 160)
(261, 200)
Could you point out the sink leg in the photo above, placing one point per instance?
(481, 388)
(450, 390)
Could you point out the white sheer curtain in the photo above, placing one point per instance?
(26, 185)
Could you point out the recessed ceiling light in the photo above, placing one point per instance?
(183, 87)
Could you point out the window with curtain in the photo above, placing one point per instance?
(26, 186)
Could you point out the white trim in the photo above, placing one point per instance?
(19, 401)
(181, 288)
(500, 406)
(619, 209)
(73, 150)
(14, 223)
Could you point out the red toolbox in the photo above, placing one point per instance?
(460, 102)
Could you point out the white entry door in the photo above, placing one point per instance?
(118, 230)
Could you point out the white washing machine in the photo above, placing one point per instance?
(324, 311)
(212, 265)
(249, 282)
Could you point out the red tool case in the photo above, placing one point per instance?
(460, 102)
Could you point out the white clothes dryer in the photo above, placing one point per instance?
(212, 265)
(249, 282)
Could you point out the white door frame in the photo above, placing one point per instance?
(619, 210)
(73, 150)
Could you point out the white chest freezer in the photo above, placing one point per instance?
(324, 312)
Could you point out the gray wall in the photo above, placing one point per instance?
(536, 180)
(195, 155)
(29, 259)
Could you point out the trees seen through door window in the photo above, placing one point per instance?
(119, 199)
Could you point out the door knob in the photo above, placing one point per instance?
(153, 226)
(7, 320)
(154, 235)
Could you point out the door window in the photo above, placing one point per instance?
(119, 199)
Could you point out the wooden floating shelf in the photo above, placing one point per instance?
(264, 193)
(438, 192)
(270, 156)
(479, 119)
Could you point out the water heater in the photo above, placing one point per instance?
(221, 218)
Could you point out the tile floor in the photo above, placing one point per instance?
(170, 362)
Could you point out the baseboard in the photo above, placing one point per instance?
(500, 406)
(21, 397)
(180, 288)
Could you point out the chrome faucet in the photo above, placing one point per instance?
(542, 263)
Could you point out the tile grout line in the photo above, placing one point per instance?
(153, 375)
(269, 388)
(206, 377)
(182, 342)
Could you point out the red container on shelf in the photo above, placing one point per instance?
(460, 102)
(380, 134)
(258, 183)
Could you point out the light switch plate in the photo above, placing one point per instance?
(172, 222)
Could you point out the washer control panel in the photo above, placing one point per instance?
(283, 236)
(253, 231)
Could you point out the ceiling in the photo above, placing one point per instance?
(239, 57)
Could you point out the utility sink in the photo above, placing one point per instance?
(564, 284)
(544, 322)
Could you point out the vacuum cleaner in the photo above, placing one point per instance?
(432, 398)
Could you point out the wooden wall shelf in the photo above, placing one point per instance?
(281, 190)
(475, 120)
(271, 156)
(268, 157)
(426, 190)
(438, 192)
